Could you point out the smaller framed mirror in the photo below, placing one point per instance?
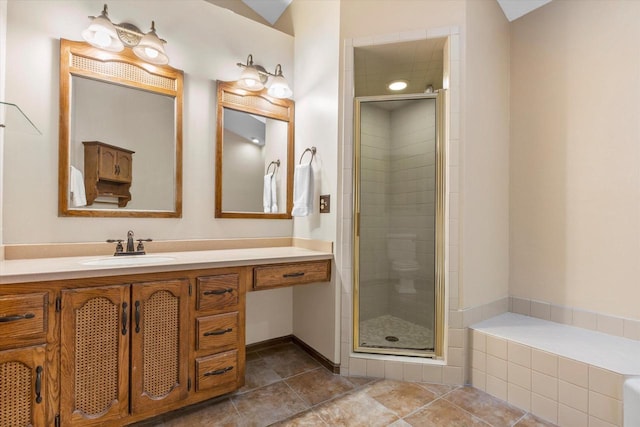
(254, 154)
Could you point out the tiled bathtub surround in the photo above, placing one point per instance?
(566, 375)
(628, 328)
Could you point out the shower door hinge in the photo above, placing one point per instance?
(58, 304)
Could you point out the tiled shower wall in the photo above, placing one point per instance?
(411, 196)
(412, 183)
(374, 216)
(397, 196)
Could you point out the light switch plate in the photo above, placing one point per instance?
(325, 203)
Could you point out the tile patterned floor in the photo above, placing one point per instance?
(286, 387)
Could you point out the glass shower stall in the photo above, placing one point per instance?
(399, 225)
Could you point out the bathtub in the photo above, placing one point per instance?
(632, 402)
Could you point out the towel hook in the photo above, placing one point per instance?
(276, 164)
(311, 150)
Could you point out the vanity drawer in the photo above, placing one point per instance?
(23, 316)
(273, 276)
(217, 332)
(219, 371)
(218, 292)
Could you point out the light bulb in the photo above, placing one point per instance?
(101, 38)
(151, 53)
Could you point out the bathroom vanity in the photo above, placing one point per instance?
(89, 343)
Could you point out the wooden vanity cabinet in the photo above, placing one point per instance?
(24, 375)
(94, 355)
(290, 274)
(124, 349)
(108, 171)
(112, 351)
(22, 387)
(219, 325)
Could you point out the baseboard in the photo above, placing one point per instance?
(262, 345)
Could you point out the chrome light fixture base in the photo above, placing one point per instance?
(254, 77)
(104, 34)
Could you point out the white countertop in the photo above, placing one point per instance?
(42, 269)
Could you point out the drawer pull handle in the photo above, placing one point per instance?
(124, 318)
(219, 291)
(218, 332)
(298, 274)
(218, 371)
(15, 317)
(39, 384)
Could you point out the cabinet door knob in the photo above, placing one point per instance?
(124, 318)
(137, 316)
(39, 384)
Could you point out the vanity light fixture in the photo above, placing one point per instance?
(104, 34)
(279, 88)
(397, 85)
(254, 78)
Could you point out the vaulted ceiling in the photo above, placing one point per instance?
(268, 12)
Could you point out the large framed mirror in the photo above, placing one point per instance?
(254, 154)
(120, 152)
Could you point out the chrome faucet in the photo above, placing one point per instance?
(130, 241)
(131, 249)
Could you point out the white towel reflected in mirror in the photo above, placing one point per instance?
(269, 194)
(76, 187)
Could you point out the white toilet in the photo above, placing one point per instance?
(401, 250)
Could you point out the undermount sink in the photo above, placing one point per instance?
(128, 260)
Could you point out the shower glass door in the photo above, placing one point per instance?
(399, 227)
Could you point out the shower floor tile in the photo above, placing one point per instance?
(382, 332)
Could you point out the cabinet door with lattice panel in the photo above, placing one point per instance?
(94, 355)
(22, 387)
(159, 344)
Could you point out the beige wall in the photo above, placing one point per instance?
(316, 307)
(484, 156)
(575, 205)
(375, 18)
(203, 40)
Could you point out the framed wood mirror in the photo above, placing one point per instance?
(120, 135)
(254, 154)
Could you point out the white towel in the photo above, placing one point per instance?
(76, 187)
(302, 190)
(267, 192)
(274, 195)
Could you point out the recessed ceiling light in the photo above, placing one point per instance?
(255, 140)
(397, 85)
